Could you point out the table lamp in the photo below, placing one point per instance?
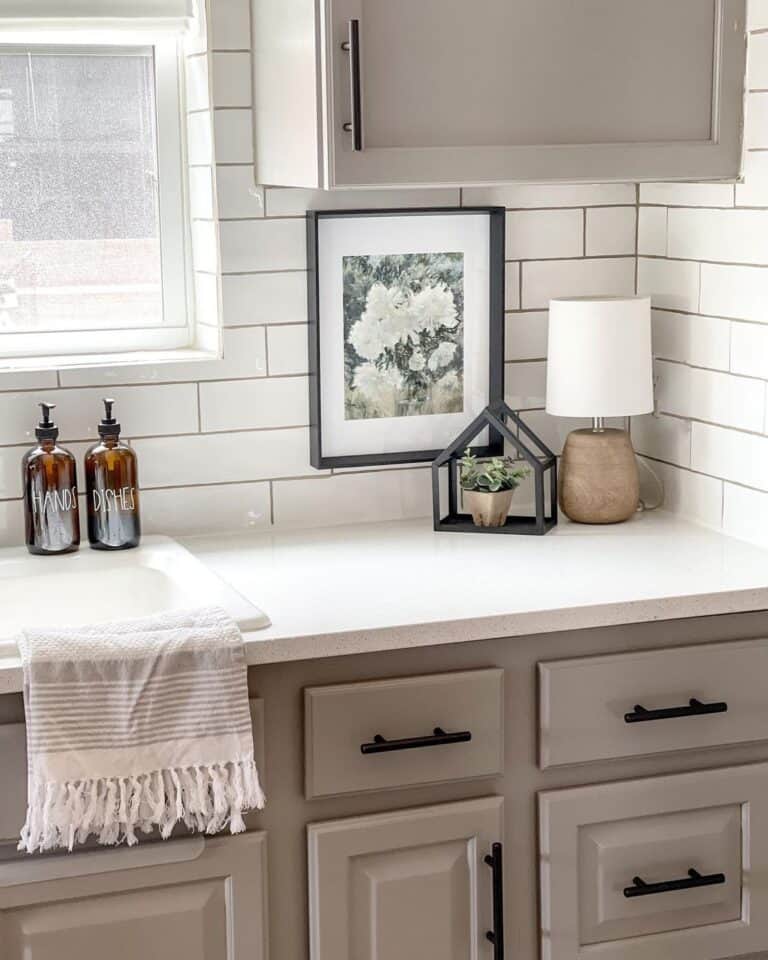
(599, 366)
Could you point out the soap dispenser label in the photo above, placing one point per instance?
(107, 500)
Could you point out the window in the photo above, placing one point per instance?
(94, 248)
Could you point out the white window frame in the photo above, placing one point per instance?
(175, 339)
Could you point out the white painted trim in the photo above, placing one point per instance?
(100, 344)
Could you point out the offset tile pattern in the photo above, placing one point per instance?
(223, 444)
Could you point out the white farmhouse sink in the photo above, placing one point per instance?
(94, 586)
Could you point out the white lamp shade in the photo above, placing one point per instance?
(599, 357)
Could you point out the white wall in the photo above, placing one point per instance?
(224, 445)
(703, 257)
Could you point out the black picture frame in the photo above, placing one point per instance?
(496, 225)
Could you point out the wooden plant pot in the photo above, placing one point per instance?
(488, 509)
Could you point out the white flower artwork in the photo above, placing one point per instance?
(404, 335)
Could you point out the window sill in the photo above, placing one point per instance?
(85, 361)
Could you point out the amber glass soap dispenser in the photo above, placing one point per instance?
(112, 489)
(49, 476)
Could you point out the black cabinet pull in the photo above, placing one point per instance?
(694, 879)
(496, 936)
(438, 738)
(352, 47)
(695, 708)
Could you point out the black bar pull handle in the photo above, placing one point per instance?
(496, 936)
(695, 708)
(694, 879)
(352, 47)
(438, 738)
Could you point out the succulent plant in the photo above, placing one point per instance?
(489, 476)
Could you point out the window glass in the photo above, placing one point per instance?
(79, 221)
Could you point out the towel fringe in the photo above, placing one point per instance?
(206, 798)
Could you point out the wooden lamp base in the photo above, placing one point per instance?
(599, 482)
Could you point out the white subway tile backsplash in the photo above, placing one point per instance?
(200, 138)
(288, 350)
(731, 236)
(245, 356)
(554, 430)
(757, 15)
(753, 192)
(143, 411)
(525, 385)
(37, 380)
(197, 93)
(709, 395)
(672, 284)
(512, 286)
(233, 130)
(265, 298)
(11, 522)
(688, 338)
(573, 278)
(652, 232)
(745, 514)
(663, 438)
(352, 498)
(231, 79)
(205, 247)
(545, 234)
(610, 231)
(254, 404)
(262, 245)
(756, 125)
(223, 457)
(687, 194)
(201, 193)
(734, 291)
(749, 349)
(691, 495)
(179, 511)
(528, 195)
(739, 457)
(236, 193)
(294, 202)
(230, 25)
(757, 73)
(526, 335)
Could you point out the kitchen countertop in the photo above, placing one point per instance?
(369, 587)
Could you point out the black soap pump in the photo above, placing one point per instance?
(49, 477)
(112, 488)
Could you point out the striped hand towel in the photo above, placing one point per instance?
(137, 725)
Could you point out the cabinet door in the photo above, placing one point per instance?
(410, 885)
(500, 90)
(207, 903)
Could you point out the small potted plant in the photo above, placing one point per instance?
(487, 487)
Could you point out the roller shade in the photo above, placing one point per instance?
(155, 16)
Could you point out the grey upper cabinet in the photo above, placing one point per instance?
(355, 93)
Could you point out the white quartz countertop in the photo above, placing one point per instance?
(383, 586)
(362, 588)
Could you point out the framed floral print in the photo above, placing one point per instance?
(406, 331)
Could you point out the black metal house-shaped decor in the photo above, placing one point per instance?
(497, 418)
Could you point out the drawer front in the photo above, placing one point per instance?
(13, 770)
(588, 705)
(661, 867)
(402, 732)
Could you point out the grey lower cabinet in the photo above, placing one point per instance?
(200, 899)
(407, 885)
